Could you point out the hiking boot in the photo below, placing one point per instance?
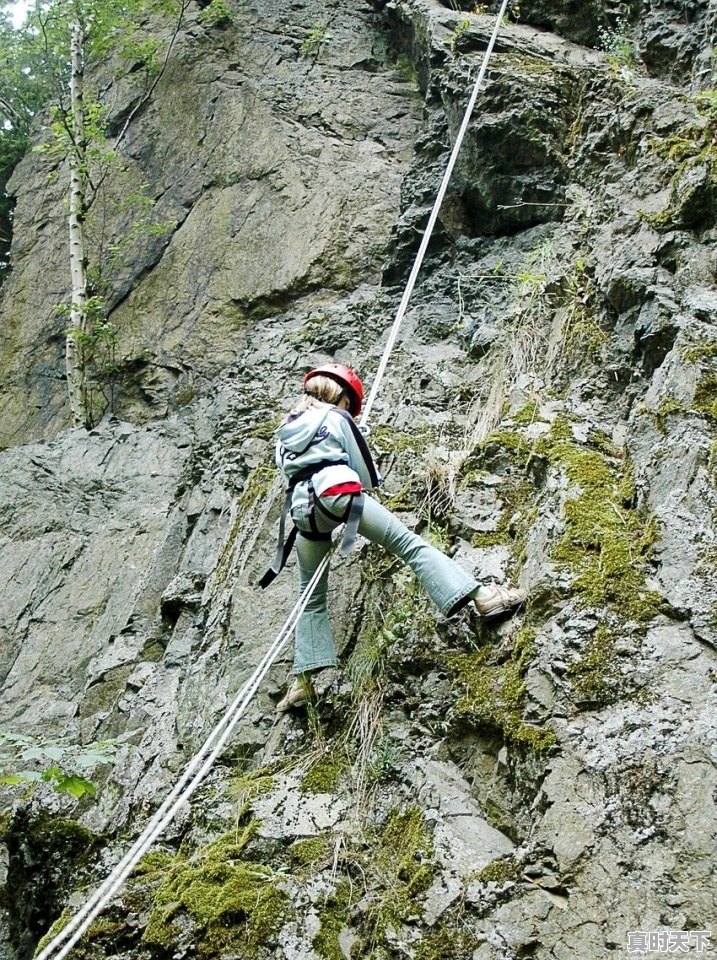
(299, 692)
(493, 601)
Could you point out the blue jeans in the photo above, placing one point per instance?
(448, 586)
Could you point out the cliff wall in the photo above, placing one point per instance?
(536, 788)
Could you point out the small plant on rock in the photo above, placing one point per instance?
(316, 38)
(619, 44)
(452, 41)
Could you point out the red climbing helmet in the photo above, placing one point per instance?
(347, 377)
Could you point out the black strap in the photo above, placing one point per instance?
(310, 508)
(308, 472)
(363, 447)
(283, 549)
(348, 541)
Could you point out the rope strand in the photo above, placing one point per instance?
(418, 263)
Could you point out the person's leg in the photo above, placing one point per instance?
(314, 646)
(447, 584)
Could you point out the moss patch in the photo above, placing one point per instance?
(494, 690)
(235, 904)
(606, 541)
(705, 399)
(500, 871)
(397, 866)
(595, 677)
(388, 439)
(448, 941)
(403, 869)
(324, 775)
(311, 852)
(693, 186)
(257, 487)
(334, 916)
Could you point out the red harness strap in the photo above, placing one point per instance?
(351, 486)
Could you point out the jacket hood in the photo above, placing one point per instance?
(298, 430)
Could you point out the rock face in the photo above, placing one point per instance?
(542, 787)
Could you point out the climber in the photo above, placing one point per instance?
(327, 466)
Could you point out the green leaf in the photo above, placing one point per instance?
(76, 786)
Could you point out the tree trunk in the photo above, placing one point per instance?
(75, 349)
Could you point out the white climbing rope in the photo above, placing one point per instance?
(418, 263)
(200, 765)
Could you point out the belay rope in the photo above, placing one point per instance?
(200, 765)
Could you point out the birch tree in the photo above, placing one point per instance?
(67, 42)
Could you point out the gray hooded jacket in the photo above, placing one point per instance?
(323, 435)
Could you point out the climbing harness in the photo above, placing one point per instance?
(284, 547)
(202, 762)
(352, 513)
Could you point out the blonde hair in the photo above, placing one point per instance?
(320, 389)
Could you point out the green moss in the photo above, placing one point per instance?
(606, 540)
(334, 916)
(500, 871)
(396, 864)
(265, 429)
(700, 350)
(406, 68)
(404, 869)
(235, 904)
(526, 65)
(705, 399)
(388, 439)
(495, 688)
(516, 517)
(667, 407)
(594, 677)
(154, 862)
(257, 487)
(511, 441)
(528, 414)
(447, 941)
(246, 786)
(310, 852)
(57, 927)
(324, 775)
(691, 148)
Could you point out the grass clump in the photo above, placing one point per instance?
(495, 688)
(234, 904)
(396, 863)
(403, 868)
